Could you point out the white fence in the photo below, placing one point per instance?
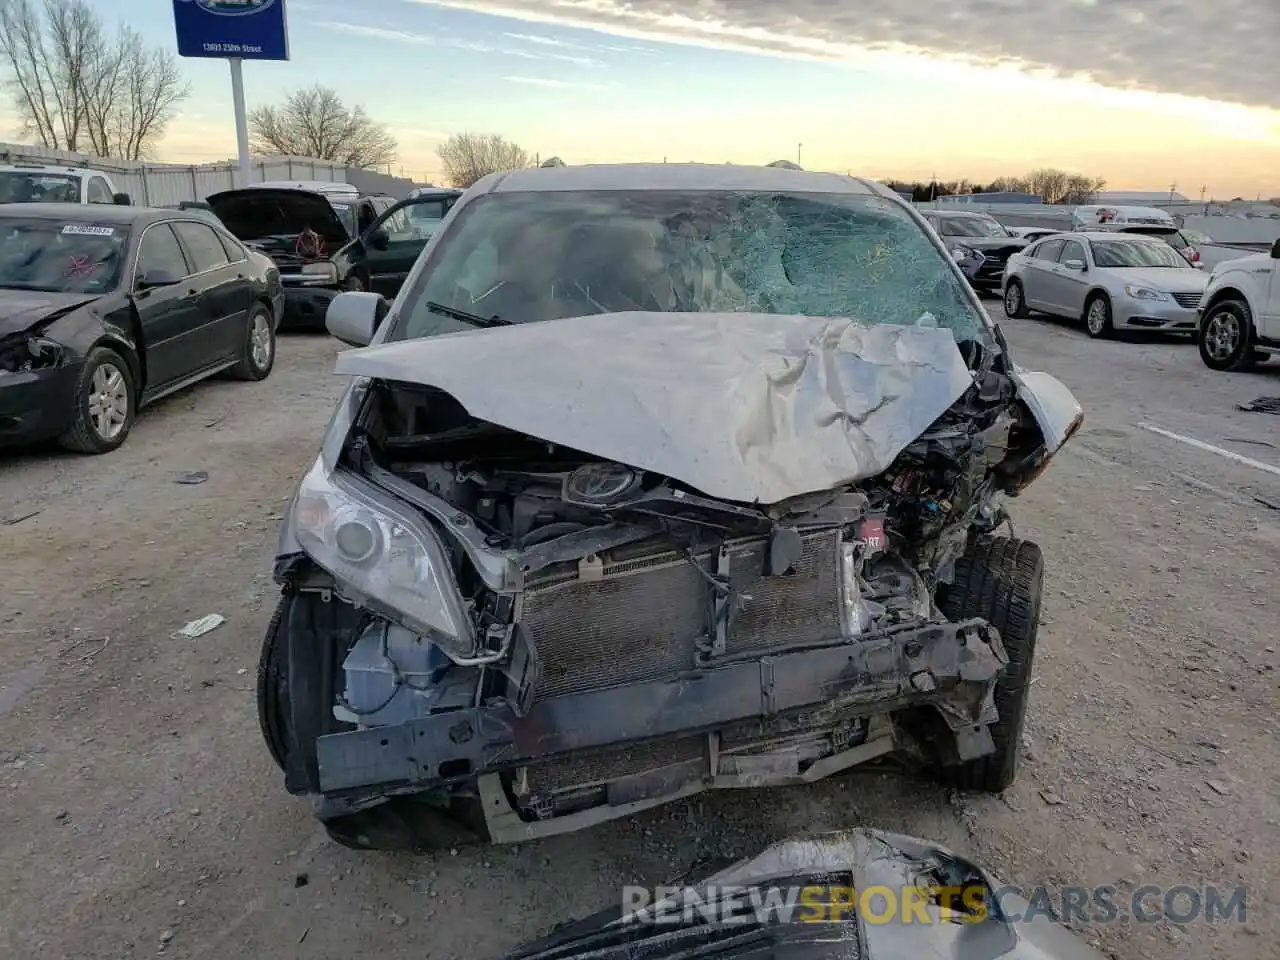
(1258, 224)
(166, 184)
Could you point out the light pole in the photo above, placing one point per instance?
(798, 146)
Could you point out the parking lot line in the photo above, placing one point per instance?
(1210, 448)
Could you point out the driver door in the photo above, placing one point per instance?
(1269, 322)
(390, 263)
(171, 317)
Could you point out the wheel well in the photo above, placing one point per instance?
(1226, 293)
(1094, 294)
(133, 354)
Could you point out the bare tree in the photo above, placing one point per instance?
(1081, 189)
(466, 157)
(78, 87)
(314, 122)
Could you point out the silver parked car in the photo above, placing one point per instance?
(1112, 281)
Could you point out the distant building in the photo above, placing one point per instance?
(1139, 198)
(1003, 197)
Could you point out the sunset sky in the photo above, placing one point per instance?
(1132, 91)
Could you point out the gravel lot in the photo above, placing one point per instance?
(141, 813)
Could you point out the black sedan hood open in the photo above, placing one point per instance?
(20, 310)
(256, 214)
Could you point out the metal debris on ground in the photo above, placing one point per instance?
(198, 628)
(1050, 796)
(1261, 405)
(193, 478)
(106, 641)
(14, 520)
(1269, 504)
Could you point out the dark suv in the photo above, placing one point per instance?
(300, 229)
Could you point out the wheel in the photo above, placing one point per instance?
(273, 686)
(105, 404)
(1015, 304)
(1226, 336)
(259, 354)
(1097, 317)
(1000, 580)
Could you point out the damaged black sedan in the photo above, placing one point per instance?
(656, 479)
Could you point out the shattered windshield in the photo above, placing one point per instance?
(525, 257)
(60, 257)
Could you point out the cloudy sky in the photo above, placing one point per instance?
(1147, 93)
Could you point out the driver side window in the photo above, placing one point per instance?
(98, 192)
(159, 251)
(1072, 250)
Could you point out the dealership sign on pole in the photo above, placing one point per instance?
(236, 30)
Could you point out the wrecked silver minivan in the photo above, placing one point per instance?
(655, 479)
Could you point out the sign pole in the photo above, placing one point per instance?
(242, 118)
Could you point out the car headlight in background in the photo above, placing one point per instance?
(960, 253)
(1144, 293)
(323, 272)
(22, 353)
(383, 553)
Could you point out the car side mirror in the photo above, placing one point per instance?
(1077, 265)
(157, 278)
(1200, 266)
(1275, 250)
(353, 317)
(379, 239)
(122, 200)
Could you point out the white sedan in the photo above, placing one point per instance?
(1111, 281)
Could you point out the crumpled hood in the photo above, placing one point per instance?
(743, 407)
(20, 310)
(257, 213)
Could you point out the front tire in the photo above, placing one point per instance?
(273, 685)
(1097, 317)
(1001, 580)
(1015, 301)
(1226, 337)
(258, 355)
(105, 404)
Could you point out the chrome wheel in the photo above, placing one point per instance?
(1222, 335)
(1012, 299)
(1096, 319)
(108, 401)
(260, 344)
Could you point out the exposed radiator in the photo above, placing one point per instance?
(643, 614)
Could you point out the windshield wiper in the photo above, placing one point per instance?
(475, 319)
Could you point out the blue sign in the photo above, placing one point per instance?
(243, 29)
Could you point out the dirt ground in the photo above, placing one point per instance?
(140, 814)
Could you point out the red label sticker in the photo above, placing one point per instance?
(872, 534)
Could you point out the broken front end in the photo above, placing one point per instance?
(488, 629)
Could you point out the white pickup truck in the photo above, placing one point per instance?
(1240, 312)
(31, 183)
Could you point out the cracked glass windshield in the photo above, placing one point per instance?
(525, 257)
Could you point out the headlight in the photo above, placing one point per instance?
(320, 271)
(22, 353)
(383, 553)
(959, 253)
(1144, 293)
